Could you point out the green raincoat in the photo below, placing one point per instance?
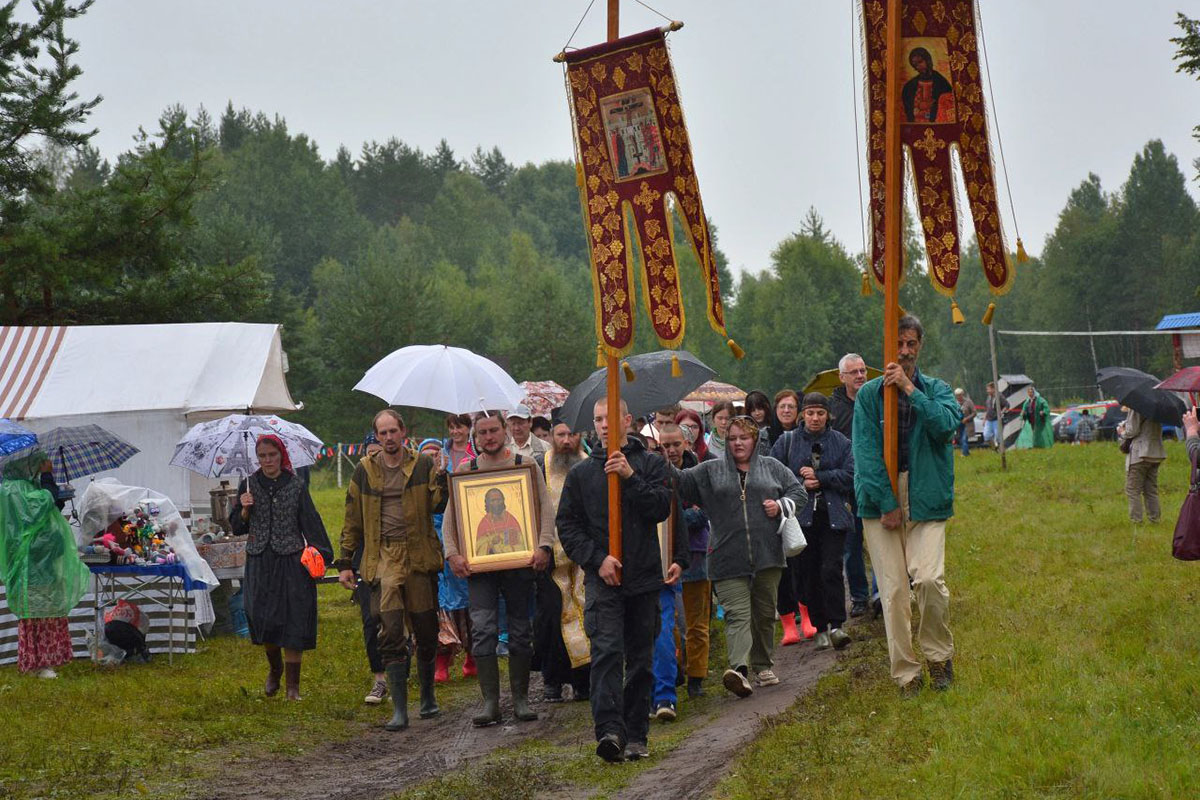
(39, 563)
(1037, 431)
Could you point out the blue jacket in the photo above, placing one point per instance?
(836, 474)
(936, 416)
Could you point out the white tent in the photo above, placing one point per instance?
(146, 383)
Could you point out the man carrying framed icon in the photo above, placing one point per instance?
(498, 529)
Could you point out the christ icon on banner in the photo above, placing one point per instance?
(634, 142)
(928, 96)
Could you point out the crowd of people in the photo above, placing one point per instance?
(622, 631)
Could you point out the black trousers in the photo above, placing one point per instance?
(622, 629)
(483, 592)
(821, 572)
(550, 654)
(370, 626)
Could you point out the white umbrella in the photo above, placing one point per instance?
(225, 446)
(442, 378)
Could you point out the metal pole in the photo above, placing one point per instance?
(616, 432)
(338, 459)
(1095, 363)
(996, 398)
(893, 221)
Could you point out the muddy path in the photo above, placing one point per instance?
(378, 765)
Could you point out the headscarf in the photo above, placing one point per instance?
(285, 462)
(701, 447)
(426, 442)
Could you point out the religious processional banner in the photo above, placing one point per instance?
(942, 109)
(633, 154)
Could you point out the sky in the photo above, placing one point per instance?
(769, 89)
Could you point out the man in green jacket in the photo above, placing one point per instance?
(906, 535)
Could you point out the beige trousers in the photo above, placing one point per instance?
(916, 551)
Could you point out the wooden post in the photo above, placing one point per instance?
(616, 432)
(996, 399)
(893, 240)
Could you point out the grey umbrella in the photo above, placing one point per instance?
(653, 386)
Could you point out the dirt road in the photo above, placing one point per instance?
(379, 764)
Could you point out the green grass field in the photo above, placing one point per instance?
(1077, 656)
(1077, 675)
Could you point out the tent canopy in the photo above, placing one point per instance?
(103, 369)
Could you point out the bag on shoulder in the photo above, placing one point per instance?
(313, 561)
(1186, 544)
(789, 528)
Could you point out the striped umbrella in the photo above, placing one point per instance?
(84, 450)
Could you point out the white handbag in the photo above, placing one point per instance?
(789, 528)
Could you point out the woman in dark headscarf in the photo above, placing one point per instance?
(39, 564)
(275, 508)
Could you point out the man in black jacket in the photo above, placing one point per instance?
(852, 371)
(621, 614)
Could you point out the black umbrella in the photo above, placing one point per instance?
(653, 386)
(1134, 388)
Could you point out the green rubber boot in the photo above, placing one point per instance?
(425, 673)
(489, 686)
(518, 681)
(397, 679)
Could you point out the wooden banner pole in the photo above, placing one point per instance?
(616, 432)
(893, 238)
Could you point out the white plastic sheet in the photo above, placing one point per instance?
(106, 500)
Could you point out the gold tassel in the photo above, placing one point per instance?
(599, 356)
(956, 313)
(630, 377)
(987, 315)
(738, 352)
(676, 370)
(1022, 256)
(866, 285)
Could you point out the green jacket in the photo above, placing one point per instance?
(936, 417)
(424, 495)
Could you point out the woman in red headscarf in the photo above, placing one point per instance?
(693, 427)
(276, 510)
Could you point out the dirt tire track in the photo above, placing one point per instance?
(379, 764)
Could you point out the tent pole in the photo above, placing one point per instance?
(996, 398)
(339, 464)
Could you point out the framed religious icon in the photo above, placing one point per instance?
(666, 541)
(496, 515)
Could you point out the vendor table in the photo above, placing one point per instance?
(113, 583)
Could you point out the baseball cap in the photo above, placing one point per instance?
(521, 412)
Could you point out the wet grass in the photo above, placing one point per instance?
(1077, 670)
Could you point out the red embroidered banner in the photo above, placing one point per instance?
(633, 153)
(942, 110)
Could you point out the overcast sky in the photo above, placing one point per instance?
(768, 88)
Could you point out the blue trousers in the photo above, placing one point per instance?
(665, 665)
(962, 440)
(856, 568)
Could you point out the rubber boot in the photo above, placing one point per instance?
(790, 634)
(425, 675)
(397, 678)
(489, 686)
(518, 681)
(442, 673)
(291, 672)
(806, 627)
(469, 670)
(274, 671)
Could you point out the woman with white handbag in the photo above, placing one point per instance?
(742, 493)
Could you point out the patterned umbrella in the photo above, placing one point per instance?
(715, 392)
(13, 437)
(226, 446)
(542, 397)
(84, 450)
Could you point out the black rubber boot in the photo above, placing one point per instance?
(397, 679)
(518, 681)
(274, 671)
(429, 706)
(489, 686)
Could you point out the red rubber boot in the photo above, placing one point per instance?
(469, 670)
(790, 634)
(806, 627)
(441, 670)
